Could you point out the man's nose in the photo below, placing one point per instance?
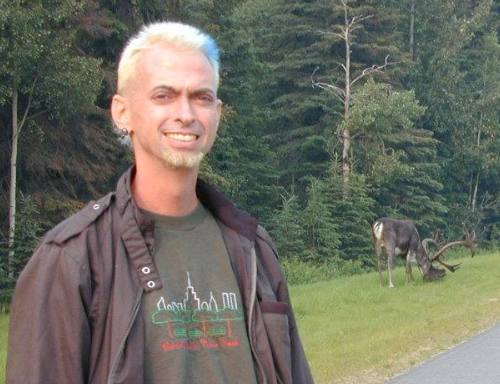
(184, 111)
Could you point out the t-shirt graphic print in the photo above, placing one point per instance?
(196, 321)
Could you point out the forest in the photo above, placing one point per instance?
(336, 112)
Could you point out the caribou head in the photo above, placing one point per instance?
(401, 238)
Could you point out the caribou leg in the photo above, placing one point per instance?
(409, 258)
(390, 263)
(378, 250)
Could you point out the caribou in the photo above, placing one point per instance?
(401, 238)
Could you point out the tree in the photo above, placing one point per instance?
(344, 94)
(473, 163)
(353, 216)
(28, 231)
(453, 77)
(293, 115)
(287, 229)
(399, 160)
(322, 239)
(38, 68)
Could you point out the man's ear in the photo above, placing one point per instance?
(120, 112)
(220, 106)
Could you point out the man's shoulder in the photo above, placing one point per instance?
(264, 236)
(79, 221)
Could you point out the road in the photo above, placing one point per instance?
(476, 361)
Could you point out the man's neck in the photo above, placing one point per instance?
(164, 190)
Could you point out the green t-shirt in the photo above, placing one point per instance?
(195, 326)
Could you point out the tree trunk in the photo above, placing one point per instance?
(474, 193)
(412, 29)
(346, 134)
(13, 183)
(476, 183)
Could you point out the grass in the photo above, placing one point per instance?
(355, 331)
(4, 325)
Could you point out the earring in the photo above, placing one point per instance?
(124, 132)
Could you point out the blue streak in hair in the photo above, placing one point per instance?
(212, 49)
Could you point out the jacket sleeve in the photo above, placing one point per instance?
(301, 373)
(49, 337)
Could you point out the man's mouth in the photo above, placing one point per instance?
(186, 137)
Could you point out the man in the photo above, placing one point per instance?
(164, 280)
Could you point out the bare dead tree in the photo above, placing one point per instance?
(344, 93)
(474, 184)
(412, 29)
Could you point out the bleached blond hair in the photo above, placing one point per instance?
(176, 34)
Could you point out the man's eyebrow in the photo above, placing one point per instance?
(201, 91)
(198, 91)
(165, 88)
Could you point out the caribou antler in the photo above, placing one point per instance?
(469, 242)
(449, 267)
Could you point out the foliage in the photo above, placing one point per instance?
(288, 230)
(302, 272)
(35, 45)
(28, 231)
(394, 153)
(457, 43)
(425, 132)
(322, 238)
(353, 212)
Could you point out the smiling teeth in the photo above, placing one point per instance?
(182, 137)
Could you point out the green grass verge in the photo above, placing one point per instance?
(4, 327)
(355, 331)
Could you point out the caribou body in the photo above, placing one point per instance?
(401, 238)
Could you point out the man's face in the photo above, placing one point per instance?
(172, 107)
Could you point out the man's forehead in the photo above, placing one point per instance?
(168, 55)
(156, 62)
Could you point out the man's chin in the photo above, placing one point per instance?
(183, 160)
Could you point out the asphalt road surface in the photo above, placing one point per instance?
(476, 361)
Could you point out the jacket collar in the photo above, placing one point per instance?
(221, 207)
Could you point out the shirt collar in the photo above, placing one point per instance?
(211, 198)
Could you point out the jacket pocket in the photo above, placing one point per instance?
(275, 316)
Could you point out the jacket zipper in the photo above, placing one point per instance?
(122, 343)
(253, 259)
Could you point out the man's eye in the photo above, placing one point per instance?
(162, 97)
(206, 98)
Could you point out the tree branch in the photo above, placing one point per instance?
(26, 111)
(356, 20)
(336, 34)
(339, 92)
(372, 69)
(38, 114)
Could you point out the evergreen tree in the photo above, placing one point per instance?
(321, 228)
(450, 78)
(289, 49)
(472, 164)
(287, 228)
(353, 213)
